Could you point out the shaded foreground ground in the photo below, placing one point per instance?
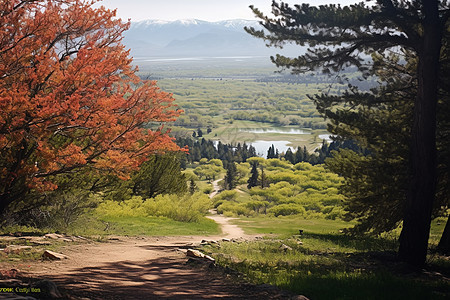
(148, 268)
(145, 268)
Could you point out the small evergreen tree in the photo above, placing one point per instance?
(263, 180)
(192, 186)
(289, 156)
(253, 180)
(230, 178)
(299, 155)
(271, 152)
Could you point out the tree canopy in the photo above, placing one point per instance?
(339, 37)
(70, 98)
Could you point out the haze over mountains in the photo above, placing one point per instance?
(182, 38)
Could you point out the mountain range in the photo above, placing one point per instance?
(182, 38)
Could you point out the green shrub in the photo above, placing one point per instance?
(187, 208)
(208, 190)
(226, 195)
(233, 208)
(287, 209)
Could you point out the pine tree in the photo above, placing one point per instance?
(299, 157)
(337, 36)
(289, 156)
(272, 152)
(263, 178)
(192, 186)
(253, 180)
(231, 176)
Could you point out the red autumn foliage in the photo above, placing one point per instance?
(69, 96)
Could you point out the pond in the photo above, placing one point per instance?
(326, 137)
(262, 138)
(263, 146)
(285, 130)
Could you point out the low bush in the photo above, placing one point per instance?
(187, 208)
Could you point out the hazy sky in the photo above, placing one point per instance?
(208, 10)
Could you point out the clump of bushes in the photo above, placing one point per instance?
(187, 208)
(301, 189)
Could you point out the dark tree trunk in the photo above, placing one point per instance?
(422, 187)
(444, 243)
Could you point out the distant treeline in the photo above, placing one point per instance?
(203, 148)
(318, 79)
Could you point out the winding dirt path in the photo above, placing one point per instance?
(146, 268)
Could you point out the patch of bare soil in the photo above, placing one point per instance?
(144, 268)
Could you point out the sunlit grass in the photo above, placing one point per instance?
(289, 225)
(323, 263)
(159, 226)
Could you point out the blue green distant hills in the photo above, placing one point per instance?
(181, 38)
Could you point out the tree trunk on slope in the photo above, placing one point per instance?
(444, 243)
(422, 187)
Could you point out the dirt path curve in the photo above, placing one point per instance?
(229, 231)
(146, 268)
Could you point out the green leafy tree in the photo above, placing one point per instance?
(337, 37)
(161, 174)
(209, 169)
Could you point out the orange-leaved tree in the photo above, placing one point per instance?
(70, 98)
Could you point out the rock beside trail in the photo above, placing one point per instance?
(285, 248)
(13, 248)
(206, 242)
(54, 236)
(197, 254)
(53, 255)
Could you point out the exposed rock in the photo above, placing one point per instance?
(285, 248)
(53, 255)
(206, 242)
(11, 248)
(226, 240)
(299, 243)
(41, 243)
(54, 236)
(198, 254)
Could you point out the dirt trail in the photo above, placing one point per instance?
(146, 268)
